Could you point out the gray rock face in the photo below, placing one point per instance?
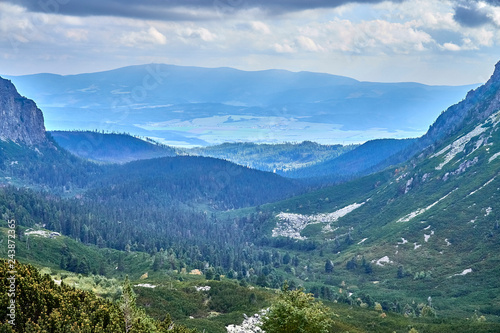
(20, 119)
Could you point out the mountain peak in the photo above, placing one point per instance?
(20, 119)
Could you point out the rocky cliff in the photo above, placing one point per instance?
(20, 119)
(477, 106)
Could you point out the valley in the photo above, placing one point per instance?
(391, 235)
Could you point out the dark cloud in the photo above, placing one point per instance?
(471, 16)
(176, 10)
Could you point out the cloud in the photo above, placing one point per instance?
(177, 10)
(471, 15)
(78, 35)
(451, 47)
(150, 36)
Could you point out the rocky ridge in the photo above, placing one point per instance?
(21, 121)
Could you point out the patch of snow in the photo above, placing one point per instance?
(465, 272)
(290, 224)
(404, 241)
(145, 285)
(408, 185)
(495, 118)
(204, 288)
(328, 228)
(493, 157)
(362, 241)
(402, 176)
(382, 261)
(420, 211)
(458, 146)
(425, 177)
(488, 211)
(485, 184)
(43, 233)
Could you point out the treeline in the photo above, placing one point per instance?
(49, 167)
(168, 181)
(178, 239)
(271, 157)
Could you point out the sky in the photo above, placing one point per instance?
(429, 41)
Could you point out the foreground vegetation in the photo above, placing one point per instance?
(51, 303)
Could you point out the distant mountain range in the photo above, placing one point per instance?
(186, 106)
(317, 164)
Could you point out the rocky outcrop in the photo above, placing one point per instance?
(478, 105)
(20, 119)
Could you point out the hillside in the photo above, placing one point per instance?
(274, 158)
(109, 147)
(425, 230)
(186, 106)
(362, 160)
(193, 181)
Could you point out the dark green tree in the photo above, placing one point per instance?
(296, 312)
(328, 266)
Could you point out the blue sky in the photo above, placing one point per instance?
(429, 41)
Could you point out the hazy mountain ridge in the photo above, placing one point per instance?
(202, 106)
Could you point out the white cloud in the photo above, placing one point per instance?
(150, 36)
(261, 27)
(308, 44)
(283, 48)
(78, 35)
(451, 47)
(198, 33)
(157, 36)
(377, 36)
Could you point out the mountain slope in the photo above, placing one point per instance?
(362, 160)
(426, 230)
(276, 157)
(192, 181)
(109, 148)
(199, 106)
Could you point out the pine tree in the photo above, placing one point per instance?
(328, 266)
(128, 305)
